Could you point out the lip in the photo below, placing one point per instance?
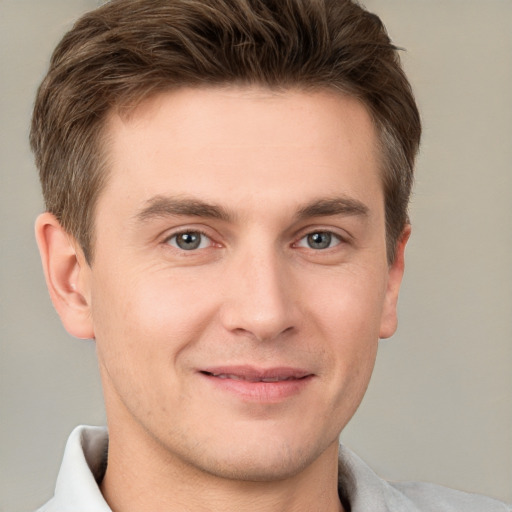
(267, 385)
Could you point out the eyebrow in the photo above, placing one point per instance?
(165, 206)
(329, 207)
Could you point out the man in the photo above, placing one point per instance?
(227, 186)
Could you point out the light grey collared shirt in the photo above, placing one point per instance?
(85, 459)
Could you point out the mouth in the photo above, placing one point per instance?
(262, 385)
(251, 379)
(250, 374)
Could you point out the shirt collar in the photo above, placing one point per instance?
(82, 469)
(85, 461)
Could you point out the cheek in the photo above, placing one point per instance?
(349, 304)
(145, 322)
(347, 314)
(144, 329)
(134, 315)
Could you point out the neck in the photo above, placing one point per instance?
(141, 476)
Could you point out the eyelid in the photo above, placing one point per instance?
(202, 236)
(172, 233)
(342, 235)
(334, 235)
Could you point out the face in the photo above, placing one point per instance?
(240, 282)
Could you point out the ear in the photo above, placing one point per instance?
(67, 275)
(389, 320)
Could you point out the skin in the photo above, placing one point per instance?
(244, 167)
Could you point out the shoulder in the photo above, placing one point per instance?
(435, 498)
(364, 490)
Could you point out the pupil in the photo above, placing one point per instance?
(188, 240)
(319, 240)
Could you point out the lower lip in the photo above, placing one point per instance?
(269, 392)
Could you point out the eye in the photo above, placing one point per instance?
(319, 240)
(189, 240)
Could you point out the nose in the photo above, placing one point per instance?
(259, 299)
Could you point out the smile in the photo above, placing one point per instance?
(251, 379)
(258, 385)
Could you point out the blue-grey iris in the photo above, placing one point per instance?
(188, 241)
(319, 240)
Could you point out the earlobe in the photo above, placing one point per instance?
(389, 320)
(67, 276)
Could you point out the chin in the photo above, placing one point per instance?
(261, 461)
(251, 470)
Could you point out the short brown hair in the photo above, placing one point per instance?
(127, 50)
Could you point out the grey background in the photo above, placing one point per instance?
(439, 407)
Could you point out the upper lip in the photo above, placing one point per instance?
(253, 374)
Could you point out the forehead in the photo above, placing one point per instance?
(241, 143)
(236, 115)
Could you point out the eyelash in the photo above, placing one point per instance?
(199, 232)
(331, 237)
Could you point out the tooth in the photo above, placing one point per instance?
(250, 379)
